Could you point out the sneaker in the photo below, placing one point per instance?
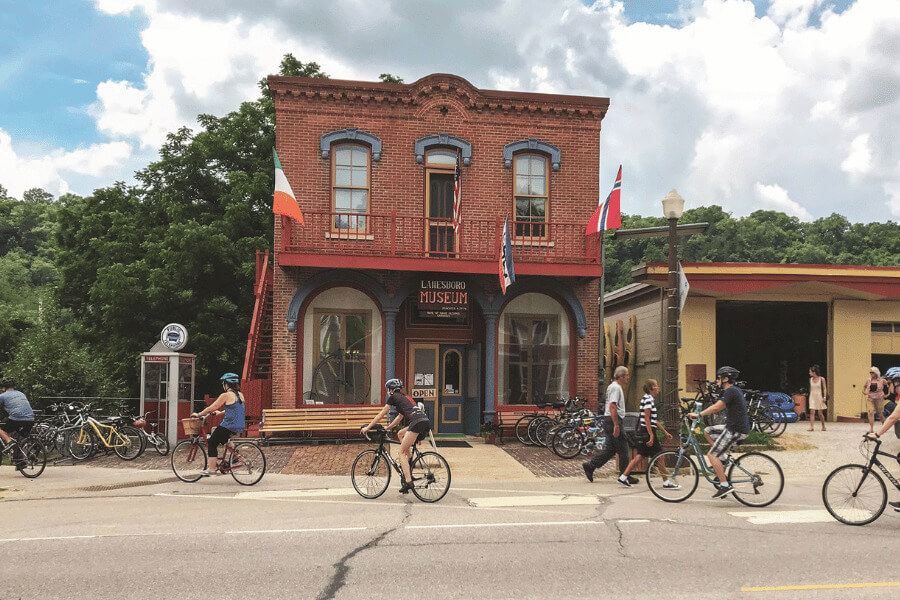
(588, 471)
(626, 481)
(405, 487)
(668, 484)
(633, 480)
(896, 505)
(20, 465)
(208, 472)
(723, 490)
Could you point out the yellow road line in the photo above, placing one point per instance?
(835, 586)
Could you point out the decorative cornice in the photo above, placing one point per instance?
(443, 139)
(352, 134)
(531, 144)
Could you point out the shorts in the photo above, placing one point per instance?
(420, 427)
(651, 450)
(21, 427)
(725, 439)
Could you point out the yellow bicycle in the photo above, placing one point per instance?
(125, 440)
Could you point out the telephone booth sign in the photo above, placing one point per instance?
(167, 383)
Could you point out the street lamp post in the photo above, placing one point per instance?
(673, 207)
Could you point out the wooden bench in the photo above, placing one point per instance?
(312, 421)
(506, 417)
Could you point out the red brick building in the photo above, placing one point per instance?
(380, 284)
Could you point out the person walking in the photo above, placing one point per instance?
(649, 446)
(873, 389)
(818, 393)
(611, 422)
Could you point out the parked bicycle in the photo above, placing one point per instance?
(371, 471)
(672, 475)
(244, 460)
(856, 494)
(84, 441)
(152, 437)
(28, 455)
(341, 377)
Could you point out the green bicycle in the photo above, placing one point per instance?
(672, 475)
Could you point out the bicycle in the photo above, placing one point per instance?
(244, 460)
(159, 442)
(341, 377)
(28, 455)
(757, 478)
(125, 440)
(856, 494)
(371, 471)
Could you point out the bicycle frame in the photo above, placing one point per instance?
(224, 464)
(874, 461)
(705, 468)
(107, 441)
(382, 451)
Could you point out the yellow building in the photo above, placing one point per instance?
(770, 321)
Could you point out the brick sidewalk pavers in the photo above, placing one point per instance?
(544, 463)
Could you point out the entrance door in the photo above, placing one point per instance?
(423, 377)
(440, 237)
(450, 393)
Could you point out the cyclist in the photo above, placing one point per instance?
(417, 426)
(888, 423)
(735, 428)
(21, 417)
(233, 423)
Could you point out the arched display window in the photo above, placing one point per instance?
(342, 348)
(533, 351)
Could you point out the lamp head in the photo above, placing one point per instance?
(673, 205)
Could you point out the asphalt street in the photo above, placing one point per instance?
(104, 533)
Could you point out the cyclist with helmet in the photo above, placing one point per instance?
(735, 428)
(21, 417)
(233, 402)
(417, 425)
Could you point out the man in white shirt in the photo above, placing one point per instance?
(612, 426)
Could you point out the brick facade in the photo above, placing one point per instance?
(399, 114)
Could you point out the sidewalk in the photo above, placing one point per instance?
(809, 456)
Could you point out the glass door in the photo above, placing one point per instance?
(423, 377)
(450, 393)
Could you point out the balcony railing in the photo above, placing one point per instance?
(402, 236)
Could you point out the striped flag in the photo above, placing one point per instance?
(456, 197)
(507, 272)
(285, 203)
(608, 214)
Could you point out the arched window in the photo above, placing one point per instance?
(533, 351)
(350, 187)
(532, 195)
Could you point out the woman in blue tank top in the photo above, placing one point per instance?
(232, 401)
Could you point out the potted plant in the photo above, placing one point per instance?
(489, 432)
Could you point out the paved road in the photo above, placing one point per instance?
(98, 533)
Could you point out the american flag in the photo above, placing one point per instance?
(456, 198)
(507, 272)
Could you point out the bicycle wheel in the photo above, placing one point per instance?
(161, 443)
(247, 463)
(544, 430)
(129, 443)
(370, 474)
(339, 380)
(81, 443)
(854, 497)
(778, 427)
(757, 479)
(567, 442)
(35, 457)
(188, 459)
(672, 476)
(522, 429)
(532, 429)
(431, 476)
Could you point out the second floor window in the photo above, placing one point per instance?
(531, 196)
(350, 187)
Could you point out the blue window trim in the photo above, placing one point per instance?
(443, 139)
(531, 144)
(351, 134)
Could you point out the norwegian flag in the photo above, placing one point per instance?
(507, 272)
(456, 178)
(609, 213)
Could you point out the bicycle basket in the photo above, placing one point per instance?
(192, 426)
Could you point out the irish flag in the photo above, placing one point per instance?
(285, 203)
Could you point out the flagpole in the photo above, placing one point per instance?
(601, 377)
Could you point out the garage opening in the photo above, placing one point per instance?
(772, 343)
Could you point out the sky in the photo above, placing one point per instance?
(789, 105)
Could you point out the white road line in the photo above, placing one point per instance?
(298, 530)
(633, 521)
(549, 500)
(784, 516)
(298, 493)
(477, 525)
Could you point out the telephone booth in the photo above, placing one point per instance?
(167, 389)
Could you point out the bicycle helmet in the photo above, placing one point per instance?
(730, 372)
(393, 384)
(230, 378)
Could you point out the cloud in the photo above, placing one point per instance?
(774, 197)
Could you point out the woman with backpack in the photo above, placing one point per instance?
(874, 389)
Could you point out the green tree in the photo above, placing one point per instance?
(388, 78)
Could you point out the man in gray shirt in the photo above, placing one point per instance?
(612, 426)
(16, 405)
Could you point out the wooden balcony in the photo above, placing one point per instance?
(406, 243)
